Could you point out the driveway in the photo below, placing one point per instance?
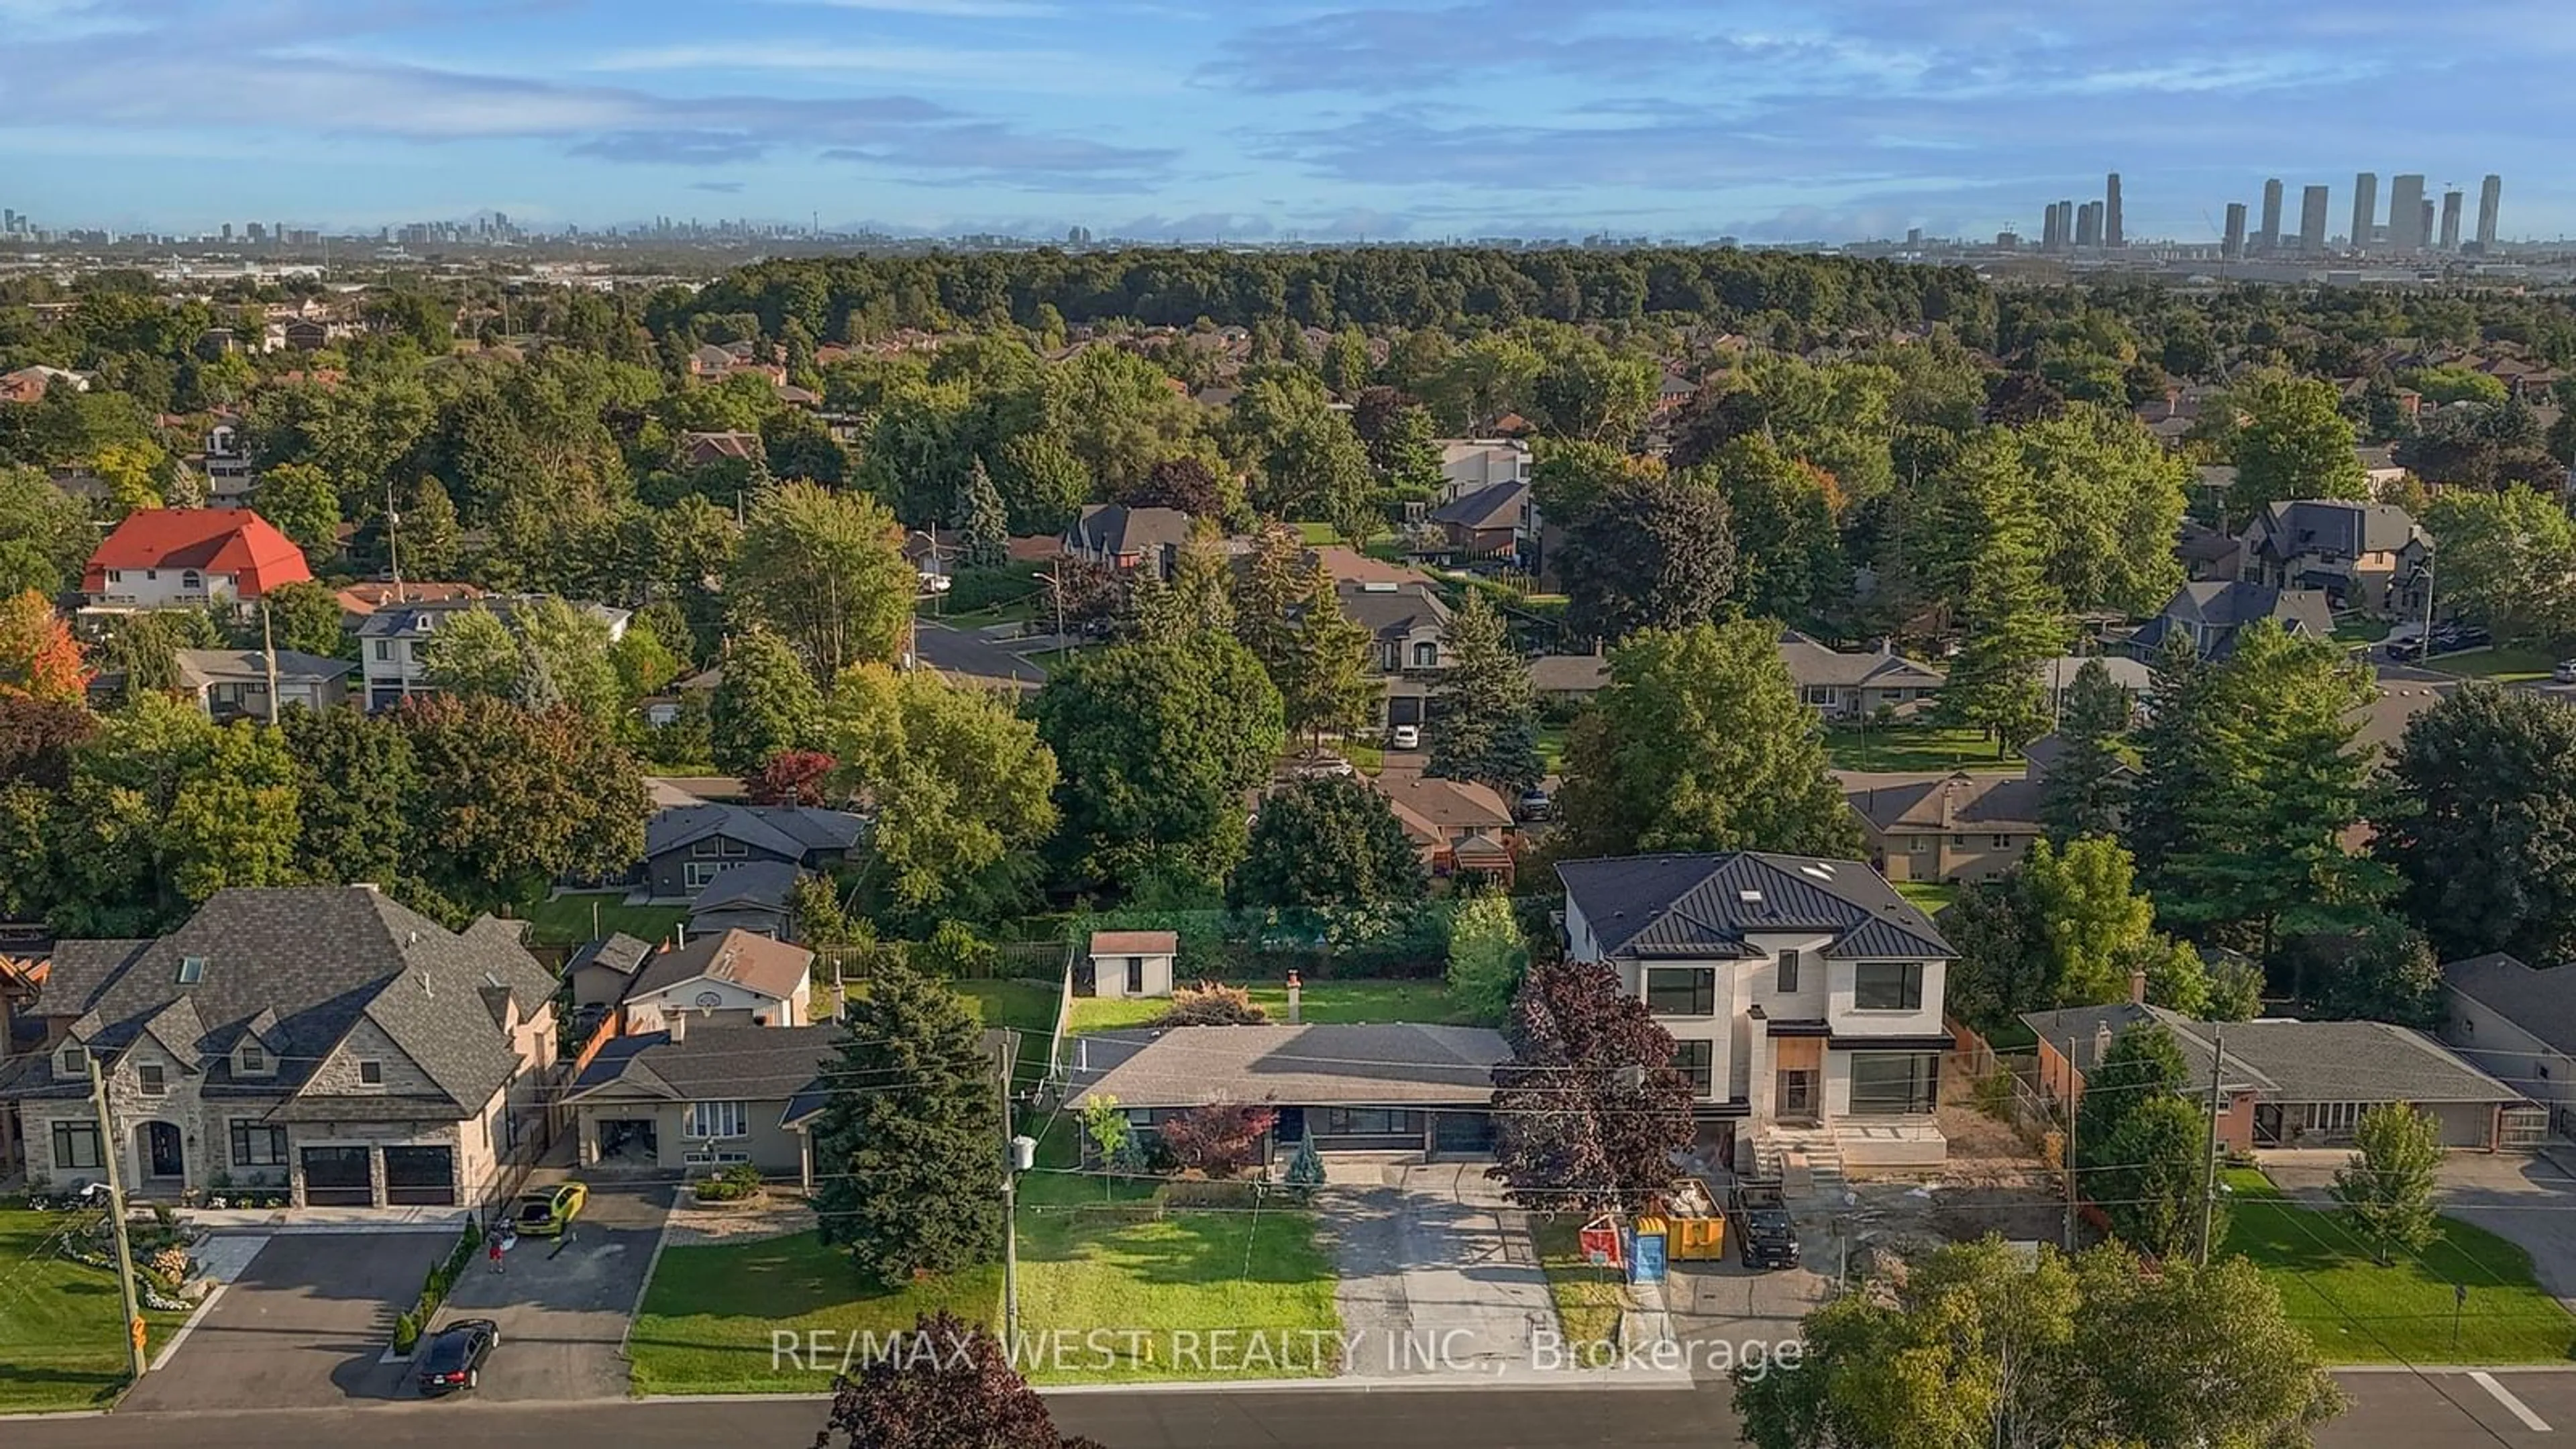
(563, 1304)
(302, 1326)
(2521, 1197)
(1438, 1273)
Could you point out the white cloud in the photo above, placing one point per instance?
(960, 9)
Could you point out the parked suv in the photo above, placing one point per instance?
(1765, 1235)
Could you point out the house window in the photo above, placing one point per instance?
(416, 650)
(1135, 975)
(1888, 1084)
(76, 1146)
(75, 1060)
(1789, 970)
(384, 651)
(2333, 1119)
(1391, 657)
(258, 1145)
(372, 1073)
(1426, 656)
(1681, 990)
(190, 581)
(1363, 1122)
(695, 874)
(156, 1081)
(2000, 841)
(1959, 842)
(1887, 986)
(116, 576)
(717, 1119)
(704, 849)
(732, 847)
(1697, 1062)
(254, 1060)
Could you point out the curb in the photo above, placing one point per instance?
(1593, 1382)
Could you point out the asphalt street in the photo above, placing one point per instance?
(2391, 1410)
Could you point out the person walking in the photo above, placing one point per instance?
(495, 1252)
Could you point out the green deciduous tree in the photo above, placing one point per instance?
(472, 652)
(2296, 443)
(1488, 956)
(510, 799)
(907, 1150)
(2153, 1177)
(303, 616)
(355, 778)
(2506, 560)
(1789, 559)
(825, 571)
(765, 702)
(1650, 553)
(2112, 498)
(2143, 1065)
(45, 534)
(2487, 775)
(1699, 742)
(2388, 1185)
(300, 499)
(1485, 712)
(961, 785)
(1327, 842)
(2089, 918)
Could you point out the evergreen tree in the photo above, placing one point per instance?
(1484, 712)
(1267, 594)
(2009, 617)
(1324, 682)
(2172, 767)
(2086, 786)
(765, 702)
(427, 536)
(908, 1152)
(983, 529)
(2488, 775)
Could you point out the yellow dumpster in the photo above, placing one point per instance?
(1697, 1238)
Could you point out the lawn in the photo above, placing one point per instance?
(1913, 748)
(2359, 1312)
(566, 919)
(2506, 665)
(1929, 896)
(1027, 1005)
(1551, 747)
(1172, 1279)
(1326, 1002)
(1588, 1298)
(707, 1318)
(62, 1329)
(2360, 629)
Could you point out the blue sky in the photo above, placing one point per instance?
(1195, 119)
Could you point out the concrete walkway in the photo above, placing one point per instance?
(1438, 1274)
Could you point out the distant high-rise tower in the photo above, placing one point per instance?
(2406, 230)
(2365, 208)
(2048, 236)
(2451, 220)
(2424, 229)
(228, 231)
(2490, 198)
(2233, 247)
(2088, 224)
(2065, 225)
(2112, 236)
(2312, 221)
(2270, 237)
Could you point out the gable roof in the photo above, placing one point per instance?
(792, 831)
(1443, 804)
(1569, 673)
(1944, 803)
(2222, 607)
(764, 883)
(201, 667)
(730, 1063)
(756, 963)
(2295, 1061)
(1386, 608)
(1816, 665)
(1134, 943)
(313, 961)
(1312, 1065)
(1703, 906)
(2540, 1002)
(2290, 527)
(619, 952)
(232, 541)
(1115, 528)
(1496, 505)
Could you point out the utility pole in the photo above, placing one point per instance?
(2070, 1144)
(268, 656)
(1018, 1155)
(393, 544)
(109, 1151)
(2424, 655)
(2209, 1153)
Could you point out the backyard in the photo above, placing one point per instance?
(1928, 896)
(1333, 1003)
(568, 920)
(2360, 1312)
(62, 1331)
(1913, 748)
(1027, 1005)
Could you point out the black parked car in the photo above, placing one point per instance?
(453, 1359)
(1765, 1236)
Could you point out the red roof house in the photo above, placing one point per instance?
(180, 557)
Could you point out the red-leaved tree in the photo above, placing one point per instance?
(945, 1385)
(1219, 1139)
(1588, 1111)
(39, 658)
(791, 777)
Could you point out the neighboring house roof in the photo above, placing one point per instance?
(2292, 527)
(304, 965)
(2198, 543)
(2225, 606)
(232, 541)
(619, 952)
(1448, 806)
(1115, 528)
(755, 963)
(1943, 803)
(1496, 505)
(1815, 665)
(755, 884)
(201, 667)
(2056, 675)
(2539, 1002)
(2294, 1061)
(366, 597)
(712, 1063)
(702, 448)
(2382, 720)
(1313, 1065)
(1349, 566)
(1569, 673)
(1703, 906)
(1135, 943)
(1389, 609)
(788, 830)
(423, 616)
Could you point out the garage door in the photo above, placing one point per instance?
(337, 1177)
(420, 1176)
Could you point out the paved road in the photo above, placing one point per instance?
(970, 656)
(2391, 1411)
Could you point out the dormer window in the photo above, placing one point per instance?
(75, 1059)
(192, 969)
(251, 1060)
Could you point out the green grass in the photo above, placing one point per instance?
(708, 1315)
(2504, 664)
(565, 920)
(1913, 748)
(2361, 629)
(1367, 759)
(1027, 1005)
(1169, 1274)
(1333, 1003)
(62, 1328)
(2360, 1312)
(1928, 895)
(1022, 610)
(1551, 747)
(1588, 1298)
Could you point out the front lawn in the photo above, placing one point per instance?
(2359, 1312)
(566, 920)
(1336, 1003)
(62, 1325)
(2505, 665)
(1213, 1294)
(1913, 748)
(707, 1318)
(1588, 1298)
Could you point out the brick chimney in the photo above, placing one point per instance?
(2137, 988)
(675, 1020)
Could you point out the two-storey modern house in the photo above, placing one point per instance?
(1409, 630)
(393, 641)
(2367, 556)
(1803, 996)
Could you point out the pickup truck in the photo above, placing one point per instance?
(1765, 1236)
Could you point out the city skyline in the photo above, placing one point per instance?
(1257, 121)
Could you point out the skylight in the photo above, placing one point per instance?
(192, 969)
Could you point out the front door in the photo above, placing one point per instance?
(161, 1145)
(1798, 1094)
